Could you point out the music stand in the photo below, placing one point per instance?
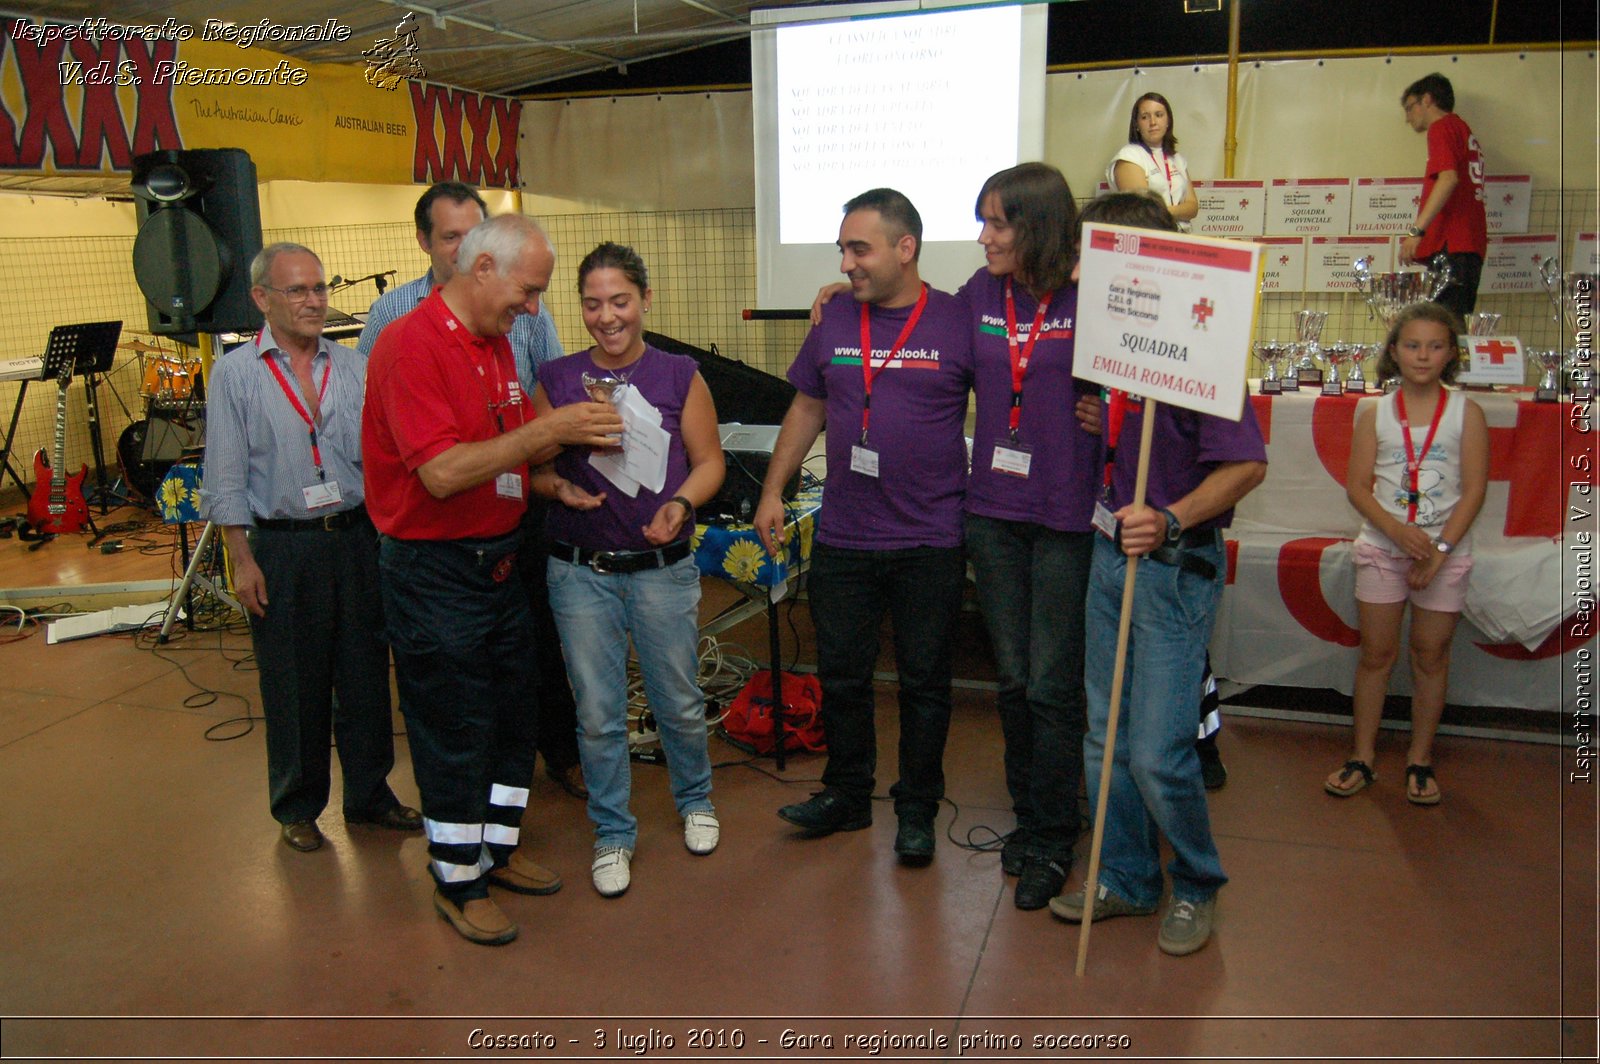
(89, 347)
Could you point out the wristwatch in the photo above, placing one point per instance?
(1174, 529)
(1417, 231)
(1444, 546)
(688, 509)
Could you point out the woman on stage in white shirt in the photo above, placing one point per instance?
(1150, 160)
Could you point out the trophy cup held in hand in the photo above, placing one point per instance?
(1572, 294)
(1335, 354)
(1308, 329)
(1356, 382)
(1271, 353)
(603, 389)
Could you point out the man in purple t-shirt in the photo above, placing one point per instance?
(889, 534)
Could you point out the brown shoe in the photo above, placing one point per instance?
(523, 875)
(570, 779)
(302, 835)
(479, 920)
(396, 818)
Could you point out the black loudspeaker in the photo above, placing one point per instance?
(742, 393)
(199, 228)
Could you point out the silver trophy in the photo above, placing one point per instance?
(1335, 355)
(1308, 330)
(603, 389)
(1356, 382)
(1271, 353)
(1387, 294)
(1572, 295)
(1549, 387)
(1484, 324)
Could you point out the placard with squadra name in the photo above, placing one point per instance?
(1168, 316)
(1230, 207)
(1508, 202)
(1511, 263)
(1310, 206)
(1384, 205)
(1331, 260)
(1283, 263)
(1585, 254)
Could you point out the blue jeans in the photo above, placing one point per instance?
(1031, 586)
(596, 612)
(1155, 773)
(850, 590)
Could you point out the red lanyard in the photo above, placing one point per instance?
(1413, 462)
(1116, 408)
(1020, 358)
(299, 408)
(1165, 162)
(867, 372)
(465, 337)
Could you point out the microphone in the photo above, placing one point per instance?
(379, 279)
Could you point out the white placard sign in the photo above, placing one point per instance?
(1385, 205)
(1283, 263)
(1508, 200)
(1512, 262)
(1585, 254)
(1230, 208)
(1308, 205)
(1167, 316)
(1493, 360)
(1331, 260)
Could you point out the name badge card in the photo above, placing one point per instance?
(1493, 360)
(1230, 208)
(1103, 521)
(1310, 205)
(323, 493)
(1012, 459)
(863, 461)
(1508, 201)
(1511, 263)
(1385, 205)
(508, 486)
(1168, 316)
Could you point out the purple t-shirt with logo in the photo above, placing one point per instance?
(1184, 450)
(1065, 464)
(919, 408)
(663, 380)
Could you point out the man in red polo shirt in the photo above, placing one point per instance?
(1451, 221)
(448, 438)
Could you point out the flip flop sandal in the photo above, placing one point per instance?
(1420, 775)
(1354, 777)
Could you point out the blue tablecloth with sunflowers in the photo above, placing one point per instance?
(733, 552)
(730, 552)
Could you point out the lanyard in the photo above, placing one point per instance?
(1167, 163)
(1020, 358)
(867, 372)
(299, 408)
(491, 395)
(1413, 462)
(1116, 409)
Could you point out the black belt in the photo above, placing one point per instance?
(1179, 552)
(621, 561)
(326, 523)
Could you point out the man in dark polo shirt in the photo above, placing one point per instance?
(449, 437)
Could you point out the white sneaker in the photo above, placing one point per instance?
(610, 870)
(701, 832)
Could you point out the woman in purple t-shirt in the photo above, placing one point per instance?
(620, 559)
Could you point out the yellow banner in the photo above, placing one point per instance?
(85, 98)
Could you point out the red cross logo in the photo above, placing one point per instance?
(1328, 198)
(1244, 203)
(1415, 200)
(1283, 260)
(1507, 200)
(1201, 311)
(1494, 350)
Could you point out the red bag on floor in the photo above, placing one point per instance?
(749, 720)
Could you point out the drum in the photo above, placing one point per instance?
(167, 378)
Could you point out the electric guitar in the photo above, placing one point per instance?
(57, 506)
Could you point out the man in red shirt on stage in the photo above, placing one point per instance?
(448, 438)
(1452, 221)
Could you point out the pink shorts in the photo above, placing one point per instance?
(1381, 578)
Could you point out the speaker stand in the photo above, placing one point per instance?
(191, 577)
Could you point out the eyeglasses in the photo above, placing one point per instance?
(1407, 105)
(300, 293)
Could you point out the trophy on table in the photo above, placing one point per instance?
(1484, 324)
(1573, 297)
(1549, 387)
(1308, 329)
(1271, 353)
(1335, 354)
(1356, 382)
(1387, 294)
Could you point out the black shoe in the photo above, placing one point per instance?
(1212, 771)
(828, 812)
(1042, 879)
(914, 841)
(1012, 858)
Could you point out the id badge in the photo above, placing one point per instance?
(508, 486)
(1104, 521)
(323, 493)
(1012, 459)
(863, 461)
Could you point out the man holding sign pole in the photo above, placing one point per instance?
(1166, 500)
